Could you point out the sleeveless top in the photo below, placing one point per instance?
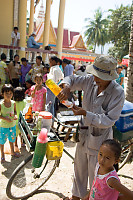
(100, 188)
(9, 113)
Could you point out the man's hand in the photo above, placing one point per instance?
(78, 110)
(64, 93)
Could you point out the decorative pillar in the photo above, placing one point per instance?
(60, 28)
(6, 21)
(46, 25)
(22, 26)
(31, 22)
(15, 20)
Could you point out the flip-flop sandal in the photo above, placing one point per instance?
(16, 155)
(2, 160)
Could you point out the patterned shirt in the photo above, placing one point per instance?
(100, 188)
(38, 100)
(35, 70)
(3, 66)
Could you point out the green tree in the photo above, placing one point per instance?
(119, 31)
(97, 30)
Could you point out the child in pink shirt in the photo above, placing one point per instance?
(38, 94)
(106, 184)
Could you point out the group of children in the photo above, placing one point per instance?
(10, 109)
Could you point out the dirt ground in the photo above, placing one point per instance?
(60, 183)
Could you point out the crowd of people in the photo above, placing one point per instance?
(102, 103)
(20, 80)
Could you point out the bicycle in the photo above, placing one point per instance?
(20, 186)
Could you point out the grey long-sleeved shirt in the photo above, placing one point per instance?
(102, 110)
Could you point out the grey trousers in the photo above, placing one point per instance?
(84, 168)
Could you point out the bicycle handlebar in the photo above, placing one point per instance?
(64, 125)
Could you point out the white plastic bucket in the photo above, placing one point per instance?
(46, 121)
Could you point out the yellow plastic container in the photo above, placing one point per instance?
(54, 150)
(53, 86)
(56, 90)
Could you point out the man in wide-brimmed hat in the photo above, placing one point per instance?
(103, 101)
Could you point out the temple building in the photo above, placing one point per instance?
(65, 43)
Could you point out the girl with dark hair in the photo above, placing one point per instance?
(14, 71)
(8, 120)
(28, 83)
(38, 94)
(106, 184)
(19, 98)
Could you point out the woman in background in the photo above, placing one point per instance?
(14, 71)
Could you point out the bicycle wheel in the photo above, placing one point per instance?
(127, 151)
(25, 180)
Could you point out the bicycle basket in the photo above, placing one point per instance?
(54, 150)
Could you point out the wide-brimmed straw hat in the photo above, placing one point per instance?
(104, 67)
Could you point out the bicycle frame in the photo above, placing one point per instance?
(31, 145)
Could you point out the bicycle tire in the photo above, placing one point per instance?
(18, 188)
(126, 154)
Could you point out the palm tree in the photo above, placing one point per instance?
(97, 30)
(129, 90)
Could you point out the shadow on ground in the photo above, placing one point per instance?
(14, 163)
(60, 195)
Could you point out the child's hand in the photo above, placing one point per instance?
(15, 117)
